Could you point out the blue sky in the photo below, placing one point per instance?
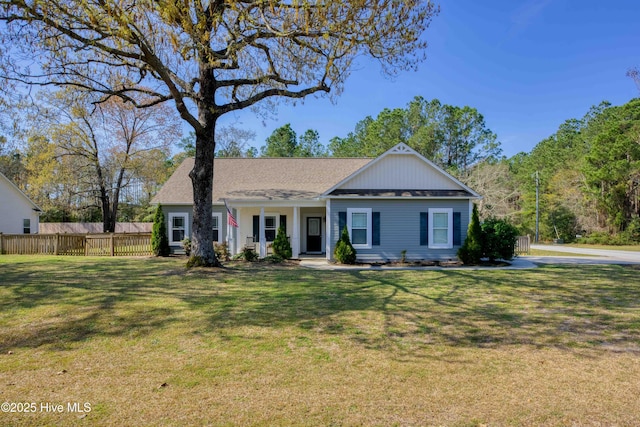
(526, 65)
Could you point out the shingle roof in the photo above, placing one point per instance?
(262, 179)
(401, 193)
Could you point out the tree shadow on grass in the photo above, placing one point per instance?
(594, 308)
(568, 308)
(59, 304)
(407, 313)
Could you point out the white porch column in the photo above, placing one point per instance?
(231, 232)
(295, 239)
(263, 238)
(327, 232)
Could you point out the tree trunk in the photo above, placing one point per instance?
(202, 253)
(107, 221)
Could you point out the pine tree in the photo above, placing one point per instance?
(159, 239)
(281, 245)
(345, 252)
(471, 250)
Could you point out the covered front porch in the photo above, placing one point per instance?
(305, 225)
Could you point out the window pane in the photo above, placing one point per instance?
(440, 236)
(178, 222)
(215, 235)
(440, 220)
(270, 235)
(215, 222)
(178, 235)
(270, 222)
(359, 220)
(314, 227)
(359, 236)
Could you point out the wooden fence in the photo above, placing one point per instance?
(523, 245)
(92, 227)
(108, 244)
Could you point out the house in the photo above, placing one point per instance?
(399, 201)
(18, 214)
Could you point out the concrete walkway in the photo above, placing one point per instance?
(587, 256)
(321, 264)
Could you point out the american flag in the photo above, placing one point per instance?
(230, 218)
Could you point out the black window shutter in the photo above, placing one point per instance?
(283, 223)
(457, 229)
(424, 228)
(375, 233)
(256, 228)
(342, 222)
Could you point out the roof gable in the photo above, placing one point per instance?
(401, 168)
(14, 188)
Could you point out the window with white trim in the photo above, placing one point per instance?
(178, 227)
(270, 227)
(359, 226)
(26, 226)
(441, 228)
(216, 221)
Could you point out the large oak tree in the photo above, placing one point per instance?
(207, 57)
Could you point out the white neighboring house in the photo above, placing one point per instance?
(18, 214)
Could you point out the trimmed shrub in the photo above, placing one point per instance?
(471, 250)
(281, 245)
(499, 239)
(186, 245)
(273, 259)
(221, 250)
(159, 238)
(246, 254)
(344, 252)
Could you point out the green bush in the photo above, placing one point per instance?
(631, 236)
(273, 259)
(498, 239)
(562, 224)
(471, 250)
(344, 252)
(246, 254)
(281, 245)
(632, 233)
(186, 245)
(221, 250)
(159, 239)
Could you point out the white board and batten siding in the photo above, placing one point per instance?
(18, 214)
(400, 171)
(401, 168)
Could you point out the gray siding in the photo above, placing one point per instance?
(167, 209)
(399, 227)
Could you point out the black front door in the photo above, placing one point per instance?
(314, 234)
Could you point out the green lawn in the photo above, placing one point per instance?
(146, 342)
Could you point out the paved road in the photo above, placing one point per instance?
(588, 256)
